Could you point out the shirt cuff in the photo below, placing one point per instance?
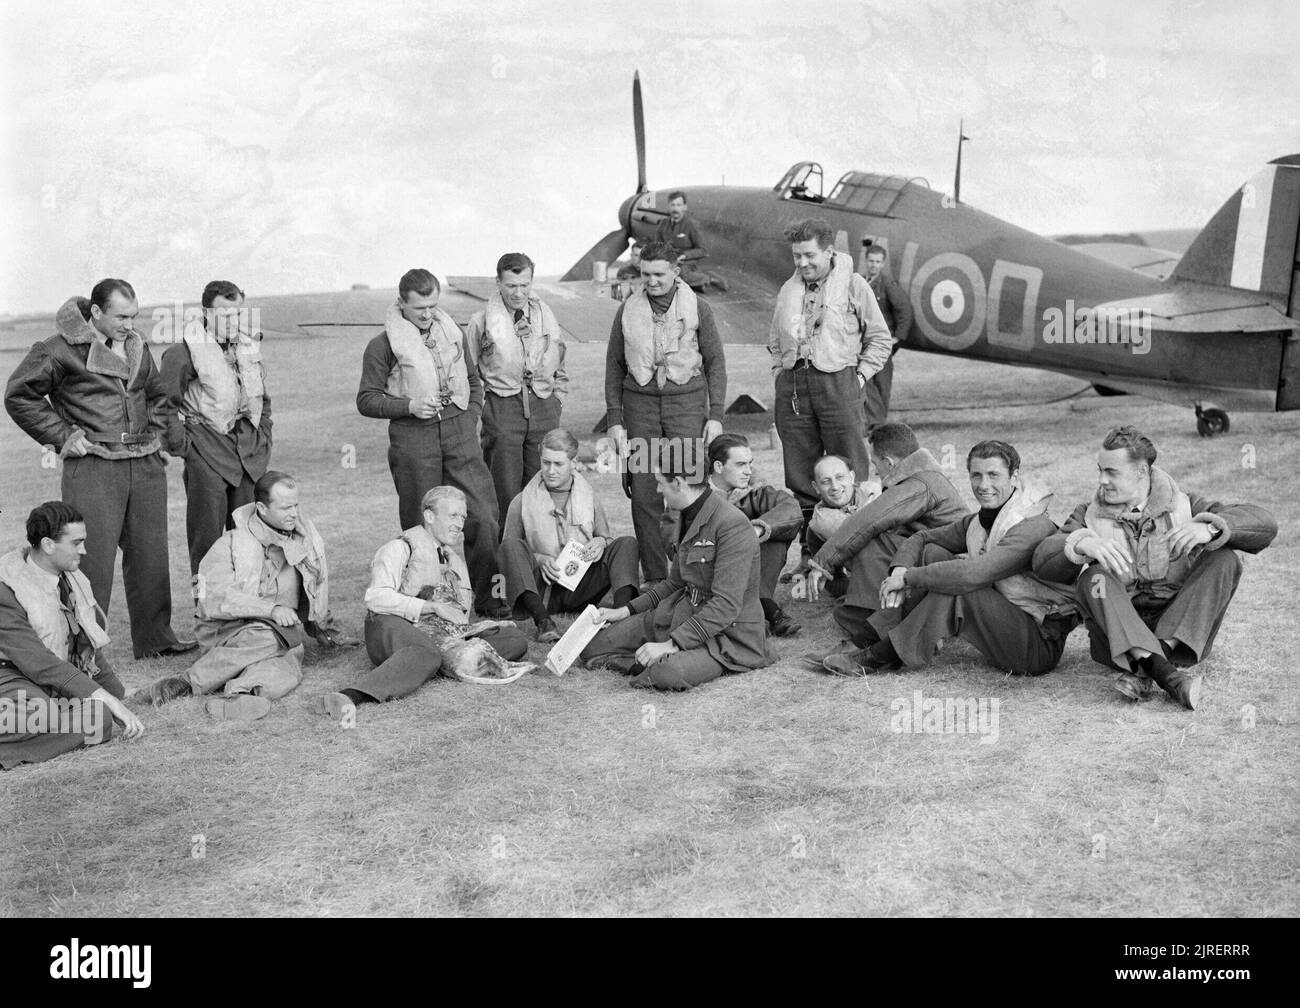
(1072, 543)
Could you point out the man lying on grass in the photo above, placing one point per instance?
(972, 578)
(705, 618)
(1149, 568)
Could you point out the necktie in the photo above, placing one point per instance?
(526, 379)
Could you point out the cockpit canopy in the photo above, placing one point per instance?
(863, 192)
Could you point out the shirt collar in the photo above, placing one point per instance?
(50, 581)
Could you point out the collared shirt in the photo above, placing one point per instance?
(117, 346)
(690, 511)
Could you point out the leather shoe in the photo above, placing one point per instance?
(163, 690)
(1135, 687)
(181, 646)
(783, 626)
(1183, 686)
(546, 631)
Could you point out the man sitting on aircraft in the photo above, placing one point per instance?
(51, 646)
(828, 339)
(665, 378)
(916, 496)
(896, 308)
(1158, 568)
(704, 619)
(518, 347)
(556, 506)
(680, 232)
(972, 579)
(772, 511)
(419, 596)
(262, 589)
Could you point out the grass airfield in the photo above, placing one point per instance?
(780, 791)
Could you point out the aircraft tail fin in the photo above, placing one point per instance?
(1251, 243)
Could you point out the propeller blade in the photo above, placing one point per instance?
(638, 127)
(606, 250)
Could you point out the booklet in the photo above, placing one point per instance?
(578, 636)
(572, 567)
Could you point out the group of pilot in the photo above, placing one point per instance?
(476, 443)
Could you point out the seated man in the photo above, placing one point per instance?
(262, 588)
(51, 646)
(704, 619)
(772, 511)
(839, 495)
(916, 496)
(555, 506)
(987, 596)
(1156, 577)
(420, 594)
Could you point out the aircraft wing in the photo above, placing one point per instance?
(1144, 259)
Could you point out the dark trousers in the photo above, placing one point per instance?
(829, 422)
(17, 748)
(615, 647)
(647, 416)
(426, 454)
(512, 443)
(209, 503)
(1003, 633)
(124, 502)
(771, 559)
(617, 568)
(866, 569)
(875, 400)
(406, 658)
(1117, 621)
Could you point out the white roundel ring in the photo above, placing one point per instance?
(947, 301)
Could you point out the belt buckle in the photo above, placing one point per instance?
(122, 437)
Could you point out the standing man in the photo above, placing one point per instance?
(51, 647)
(556, 506)
(92, 392)
(417, 375)
(219, 417)
(519, 351)
(680, 232)
(828, 339)
(1153, 568)
(896, 309)
(773, 513)
(665, 378)
(704, 619)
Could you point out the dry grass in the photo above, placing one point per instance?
(582, 796)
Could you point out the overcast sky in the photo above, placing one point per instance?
(310, 147)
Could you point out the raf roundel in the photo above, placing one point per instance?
(950, 300)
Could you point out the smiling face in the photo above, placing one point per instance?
(418, 309)
(834, 481)
(446, 520)
(1120, 479)
(64, 554)
(115, 320)
(737, 472)
(659, 275)
(515, 288)
(811, 261)
(556, 469)
(991, 482)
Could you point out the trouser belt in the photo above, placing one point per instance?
(120, 438)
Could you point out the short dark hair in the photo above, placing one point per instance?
(421, 281)
(995, 450)
(514, 262)
(653, 251)
(682, 456)
(1133, 441)
(103, 292)
(893, 439)
(221, 289)
(560, 439)
(271, 479)
(879, 250)
(720, 448)
(48, 520)
(813, 229)
(677, 194)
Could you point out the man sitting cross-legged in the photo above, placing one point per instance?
(557, 505)
(262, 589)
(52, 647)
(972, 579)
(1153, 568)
(704, 619)
(420, 595)
(772, 511)
(916, 496)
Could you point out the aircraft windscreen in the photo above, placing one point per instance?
(867, 193)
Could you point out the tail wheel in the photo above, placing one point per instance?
(1211, 422)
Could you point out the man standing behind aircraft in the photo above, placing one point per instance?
(92, 392)
(416, 375)
(220, 416)
(665, 378)
(519, 350)
(897, 311)
(828, 339)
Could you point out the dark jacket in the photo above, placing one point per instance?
(917, 495)
(774, 507)
(710, 598)
(244, 449)
(72, 381)
(894, 305)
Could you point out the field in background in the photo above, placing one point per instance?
(776, 792)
